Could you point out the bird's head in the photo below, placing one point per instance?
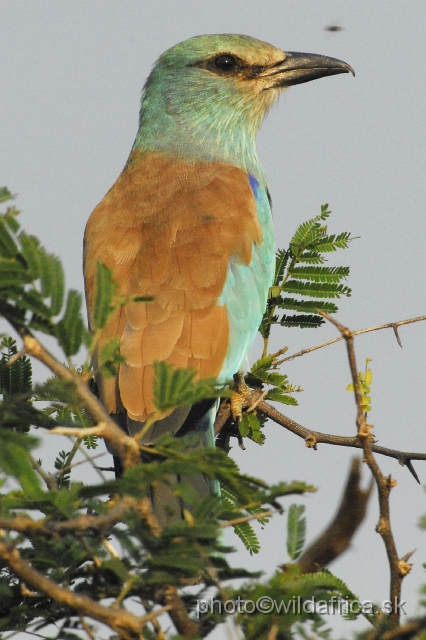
(209, 94)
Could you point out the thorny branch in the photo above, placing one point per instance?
(390, 325)
(398, 567)
(313, 438)
(130, 626)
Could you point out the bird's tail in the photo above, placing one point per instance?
(197, 421)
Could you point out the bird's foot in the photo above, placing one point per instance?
(240, 395)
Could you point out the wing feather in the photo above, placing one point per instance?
(169, 228)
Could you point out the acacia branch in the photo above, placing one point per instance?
(126, 447)
(398, 567)
(103, 523)
(313, 438)
(390, 325)
(128, 451)
(125, 623)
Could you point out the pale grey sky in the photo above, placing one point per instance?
(71, 73)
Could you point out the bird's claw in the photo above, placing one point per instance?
(240, 394)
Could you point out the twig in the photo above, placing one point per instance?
(313, 438)
(25, 525)
(261, 397)
(68, 467)
(384, 484)
(273, 632)
(118, 619)
(80, 432)
(87, 628)
(256, 516)
(124, 445)
(48, 479)
(155, 623)
(16, 357)
(390, 325)
(128, 625)
(109, 547)
(90, 459)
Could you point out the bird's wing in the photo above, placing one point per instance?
(172, 230)
(246, 288)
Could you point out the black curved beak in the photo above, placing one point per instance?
(304, 67)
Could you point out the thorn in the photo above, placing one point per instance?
(408, 555)
(395, 330)
(411, 469)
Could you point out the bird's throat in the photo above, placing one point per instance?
(200, 132)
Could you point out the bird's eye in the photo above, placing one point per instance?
(225, 63)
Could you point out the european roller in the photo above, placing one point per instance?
(188, 223)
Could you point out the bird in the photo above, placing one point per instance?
(188, 223)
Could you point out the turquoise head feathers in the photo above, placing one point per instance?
(206, 97)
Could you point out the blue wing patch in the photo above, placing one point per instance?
(246, 289)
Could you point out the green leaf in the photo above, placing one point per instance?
(248, 537)
(91, 442)
(12, 273)
(61, 462)
(31, 300)
(309, 232)
(8, 246)
(17, 377)
(296, 530)
(317, 290)
(311, 257)
(320, 274)
(302, 321)
(328, 244)
(31, 251)
(262, 365)
(52, 280)
(105, 291)
(15, 462)
(307, 305)
(5, 195)
(284, 398)
(250, 427)
(117, 566)
(110, 358)
(176, 387)
(57, 286)
(246, 533)
(70, 329)
(281, 260)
